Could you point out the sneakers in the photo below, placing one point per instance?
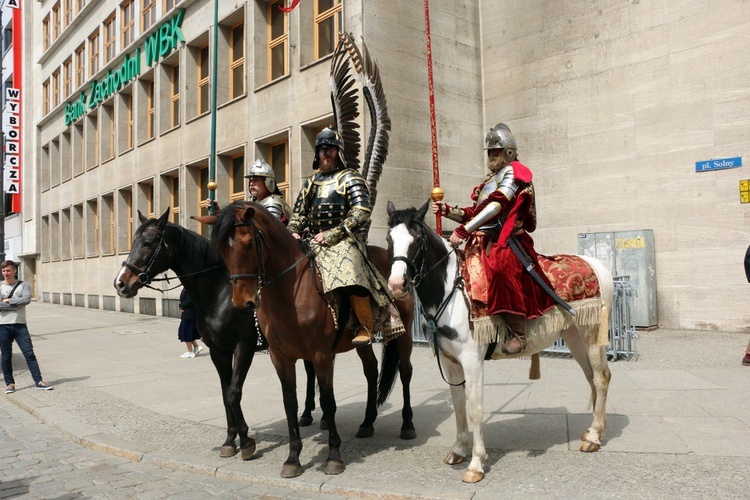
(188, 354)
(745, 360)
(10, 389)
(43, 386)
(197, 350)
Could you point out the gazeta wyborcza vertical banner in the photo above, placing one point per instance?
(12, 114)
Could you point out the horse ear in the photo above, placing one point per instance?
(142, 217)
(163, 219)
(422, 211)
(248, 214)
(390, 208)
(205, 219)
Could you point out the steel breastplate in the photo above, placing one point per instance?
(490, 186)
(277, 206)
(330, 206)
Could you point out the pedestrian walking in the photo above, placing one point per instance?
(188, 331)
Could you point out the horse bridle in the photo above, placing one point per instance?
(144, 275)
(419, 271)
(262, 281)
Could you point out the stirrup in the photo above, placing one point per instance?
(521, 340)
(362, 342)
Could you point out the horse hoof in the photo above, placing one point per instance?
(408, 434)
(247, 452)
(454, 459)
(472, 476)
(585, 436)
(334, 467)
(365, 432)
(291, 470)
(228, 450)
(324, 425)
(589, 447)
(305, 421)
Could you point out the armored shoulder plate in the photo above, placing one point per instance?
(503, 181)
(277, 205)
(352, 185)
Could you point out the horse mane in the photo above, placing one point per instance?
(192, 249)
(404, 216)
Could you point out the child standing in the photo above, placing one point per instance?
(188, 331)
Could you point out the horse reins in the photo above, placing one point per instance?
(144, 277)
(262, 281)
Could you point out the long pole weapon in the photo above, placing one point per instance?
(437, 192)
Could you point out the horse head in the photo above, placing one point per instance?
(406, 246)
(147, 258)
(240, 241)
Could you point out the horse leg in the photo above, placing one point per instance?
(593, 361)
(223, 364)
(471, 358)
(306, 418)
(285, 369)
(455, 374)
(405, 345)
(370, 369)
(243, 358)
(324, 371)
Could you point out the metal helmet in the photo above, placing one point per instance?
(263, 169)
(329, 137)
(500, 137)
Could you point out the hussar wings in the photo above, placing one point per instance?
(345, 104)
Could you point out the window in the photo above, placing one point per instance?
(92, 228)
(278, 41)
(174, 91)
(127, 20)
(67, 12)
(94, 53)
(80, 65)
(107, 224)
(146, 198)
(327, 26)
(55, 21)
(237, 61)
(54, 156)
(65, 230)
(79, 240)
(125, 220)
(203, 84)
(45, 33)
(107, 126)
(45, 97)
(54, 234)
(79, 160)
(92, 140)
(44, 167)
(79, 5)
(110, 37)
(280, 163)
(126, 128)
(237, 178)
(169, 4)
(55, 88)
(150, 109)
(148, 14)
(174, 198)
(67, 78)
(45, 238)
(202, 197)
(65, 157)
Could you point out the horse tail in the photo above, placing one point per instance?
(535, 371)
(388, 370)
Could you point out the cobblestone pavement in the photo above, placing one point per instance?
(37, 462)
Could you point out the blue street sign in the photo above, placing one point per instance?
(720, 164)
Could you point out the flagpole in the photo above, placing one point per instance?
(437, 193)
(212, 185)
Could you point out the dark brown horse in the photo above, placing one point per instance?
(159, 245)
(274, 274)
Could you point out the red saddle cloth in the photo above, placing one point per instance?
(571, 276)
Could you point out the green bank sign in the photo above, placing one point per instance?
(157, 46)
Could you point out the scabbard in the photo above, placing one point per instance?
(528, 265)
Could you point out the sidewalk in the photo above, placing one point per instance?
(678, 417)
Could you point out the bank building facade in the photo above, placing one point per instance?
(631, 115)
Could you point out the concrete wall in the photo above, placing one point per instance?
(612, 103)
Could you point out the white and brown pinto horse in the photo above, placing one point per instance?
(422, 260)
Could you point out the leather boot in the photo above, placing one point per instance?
(363, 310)
(517, 330)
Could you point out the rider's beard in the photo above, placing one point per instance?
(495, 163)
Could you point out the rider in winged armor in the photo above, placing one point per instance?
(261, 182)
(333, 206)
(504, 205)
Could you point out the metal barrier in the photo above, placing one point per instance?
(623, 337)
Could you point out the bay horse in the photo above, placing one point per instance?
(231, 337)
(423, 261)
(274, 273)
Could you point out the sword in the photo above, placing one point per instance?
(528, 265)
